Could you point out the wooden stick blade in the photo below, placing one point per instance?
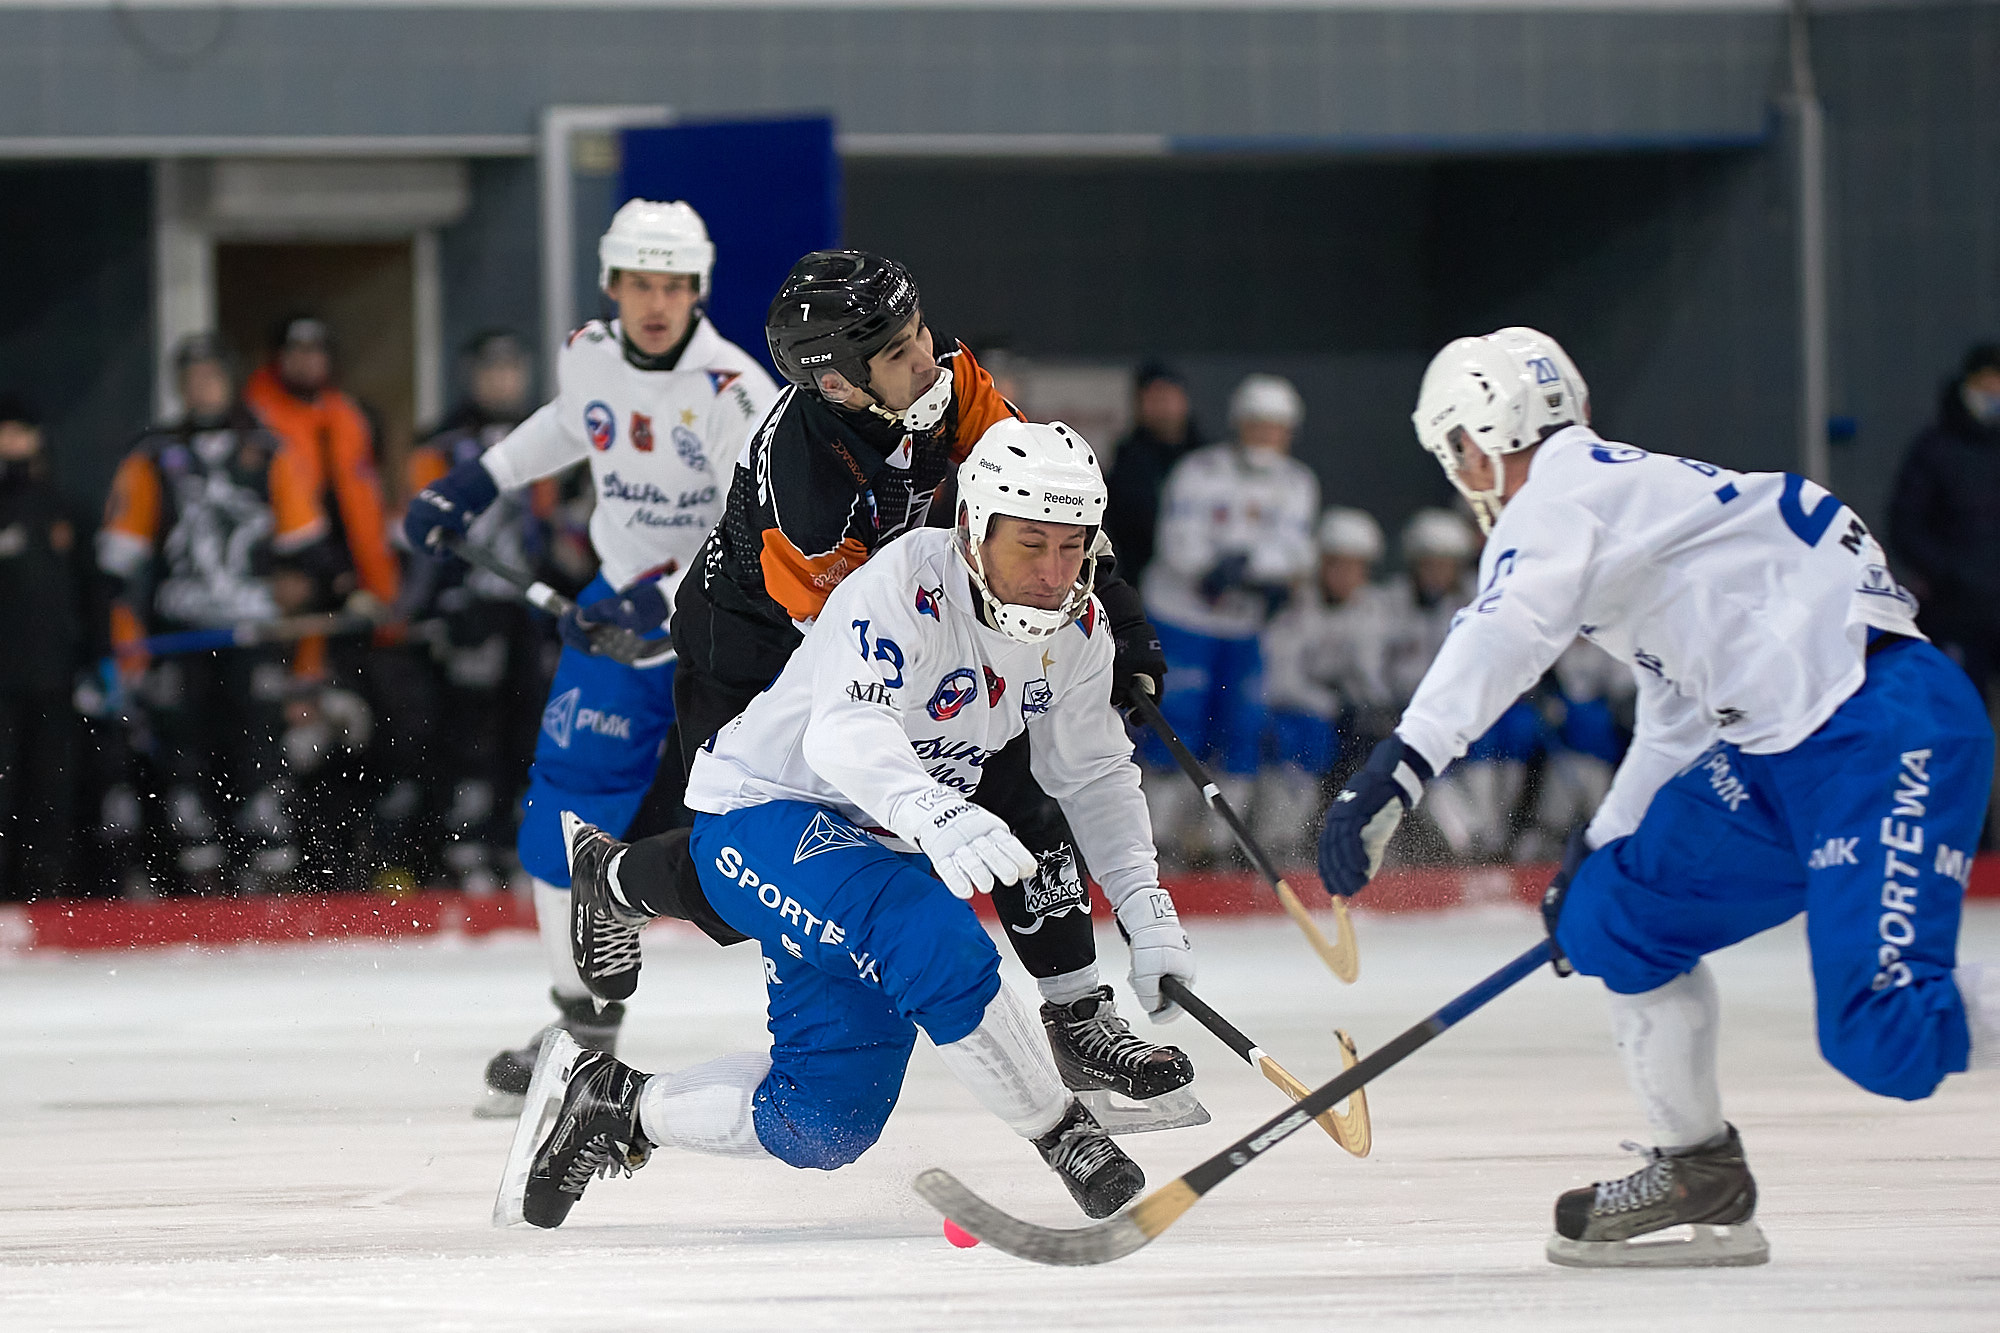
(1351, 1131)
(1342, 959)
(1100, 1243)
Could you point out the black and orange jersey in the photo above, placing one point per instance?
(817, 492)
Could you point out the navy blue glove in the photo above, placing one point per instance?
(641, 608)
(451, 502)
(1228, 573)
(1364, 816)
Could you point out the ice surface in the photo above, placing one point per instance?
(279, 1138)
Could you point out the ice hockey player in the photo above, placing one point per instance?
(828, 814)
(860, 449)
(1799, 747)
(491, 679)
(660, 403)
(1324, 686)
(1235, 539)
(211, 521)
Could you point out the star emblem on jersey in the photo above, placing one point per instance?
(953, 693)
(687, 416)
(827, 834)
(995, 686)
(600, 423)
(642, 432)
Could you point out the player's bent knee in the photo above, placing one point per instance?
(958, 977)
(821, 1129)
(1899, 1042)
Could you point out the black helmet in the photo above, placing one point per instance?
(836, 309)
(197, 348)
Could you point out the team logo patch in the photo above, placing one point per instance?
(1036, 696)
(642, 432)
(1088, 620)
(927, 602)
(600, 424)
(718, 380)
(953, 693)
(827, 834)
(559, 718)
(688, 445)
(995, 686)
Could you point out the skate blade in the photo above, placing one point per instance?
(1692, 1245)
(498, 1105)
(539, 1111)
(1119, 1115)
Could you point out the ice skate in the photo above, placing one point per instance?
(1095, 1170)
(603, 933)
(1693, 1208)
(1098, 1056)
(581, 1120)
(509, 1072)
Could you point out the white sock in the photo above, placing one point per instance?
(1979, 987)
(1667, 1038)
(1005, 1063)
(552, 921)
(707, 1108)
(611, 879)
(1068, 987)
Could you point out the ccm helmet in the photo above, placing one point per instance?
(836, 309)
(1563, 400)
(1042, 473)
(650, 237)
(1476, 395)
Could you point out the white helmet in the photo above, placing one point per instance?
(1266, 398)
(1565, 404)
(649, 237)
(1436, 532)
(1476, 392)
(1045, 473)
(1350, 532)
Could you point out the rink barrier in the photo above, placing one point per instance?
(81, 925)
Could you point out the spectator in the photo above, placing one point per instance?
(490, 654)
(1235, 537)
(1323, 680)
(1163, 432)
(1944, 518)
(44, 582)
(1437, 548)
(210, 523)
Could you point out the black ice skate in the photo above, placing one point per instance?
(508, 1073)
(1098, 1056)
(581, 1120)
(603, 933)
(1692, 1208)
(1098, 1174)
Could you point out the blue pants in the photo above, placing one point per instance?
(1868, 826)
(1214, 699)
(602, 734)
(862, 946)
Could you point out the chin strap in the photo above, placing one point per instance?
(922, 415)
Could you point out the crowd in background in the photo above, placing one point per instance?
(396, 756)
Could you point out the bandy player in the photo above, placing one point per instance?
(1800, 747)
(829, 811)
(660, 403)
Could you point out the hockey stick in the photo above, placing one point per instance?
(1351, 1131)
(1342, 959)
(612, 641)
(251, 633)
(1116, 1237)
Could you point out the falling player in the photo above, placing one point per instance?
(660, 403)
(824, 812)
(860, 449)
(1800, 747)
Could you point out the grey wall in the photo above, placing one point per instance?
(491, 261)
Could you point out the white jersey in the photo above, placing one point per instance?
(1323, 659)
(899, 695)
(1744, 600)
(1222, 501)
(660, 443)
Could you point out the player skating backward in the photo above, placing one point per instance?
(1799, 746)
(660, 403)
(859, 450)
(817, 809)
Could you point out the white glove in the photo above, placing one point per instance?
(971, 849)
(1159, 948)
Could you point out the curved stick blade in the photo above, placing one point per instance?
(1342, 959)
(1351, 1130)
(1099, 1243)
